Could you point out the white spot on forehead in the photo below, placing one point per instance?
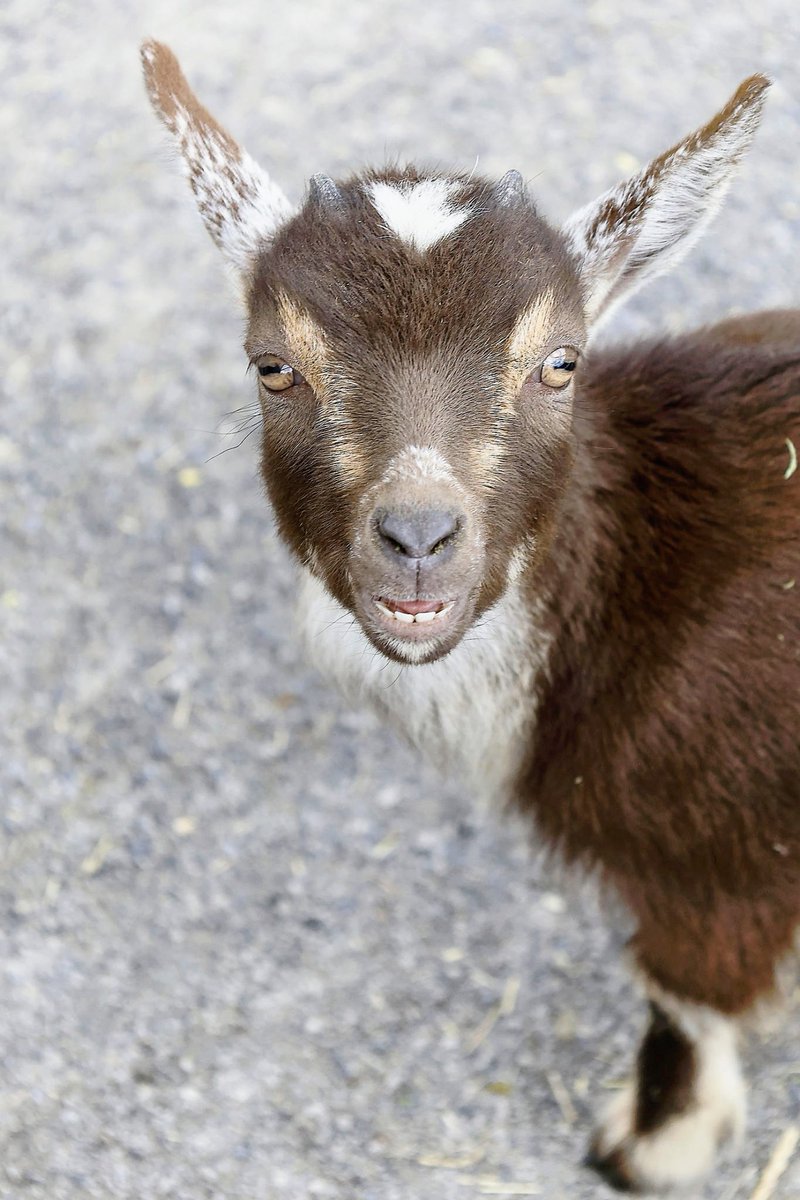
(418, 463)
(420, 213)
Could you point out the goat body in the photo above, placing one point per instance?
(584, 562)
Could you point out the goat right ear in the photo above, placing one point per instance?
(646, 224)
(241, 207)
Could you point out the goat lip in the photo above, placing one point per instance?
(413, 620)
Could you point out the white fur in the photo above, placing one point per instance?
(415, 464)
(469, 711)
(685, 1148)
(520, 558)
(665, 212)
(419, 214)
(241, 206)
(668, 220)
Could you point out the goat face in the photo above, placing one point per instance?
(415, 339)
(416, 456)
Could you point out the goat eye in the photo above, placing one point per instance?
(558, 367)
(276, 375)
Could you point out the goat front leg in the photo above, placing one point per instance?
(665, 1129)
(707, 957)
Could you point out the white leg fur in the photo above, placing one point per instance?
(683, 1150)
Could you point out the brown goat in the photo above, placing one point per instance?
(617, 532)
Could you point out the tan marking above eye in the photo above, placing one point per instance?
(558, 368)
(532, 327)
(305, 341)
(277, 375)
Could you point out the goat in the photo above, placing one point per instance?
(616, 531)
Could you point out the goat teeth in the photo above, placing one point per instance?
(421, 618)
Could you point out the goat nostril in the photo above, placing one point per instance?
(417, 533)
(393, 544)
(443, 543)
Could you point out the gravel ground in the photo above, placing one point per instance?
(249, 949)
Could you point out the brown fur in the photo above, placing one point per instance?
(674, 691)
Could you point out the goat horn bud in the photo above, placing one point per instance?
(511, 190)
(324, 193)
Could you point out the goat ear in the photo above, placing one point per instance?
(241, 207)
(641, 227)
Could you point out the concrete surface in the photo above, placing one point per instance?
(248, 949)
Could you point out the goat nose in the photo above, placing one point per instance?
(418, 533)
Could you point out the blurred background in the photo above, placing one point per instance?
(248, 949)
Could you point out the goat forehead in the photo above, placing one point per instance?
(410, 257)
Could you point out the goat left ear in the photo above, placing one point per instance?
(643, 226)
(241, 207)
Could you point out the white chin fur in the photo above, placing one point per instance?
(469, 711)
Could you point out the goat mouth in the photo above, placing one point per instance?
(414, 631)
(413, 612)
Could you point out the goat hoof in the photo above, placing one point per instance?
(671, 1158)
(612, 1167)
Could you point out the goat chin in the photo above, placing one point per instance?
(470, 711)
